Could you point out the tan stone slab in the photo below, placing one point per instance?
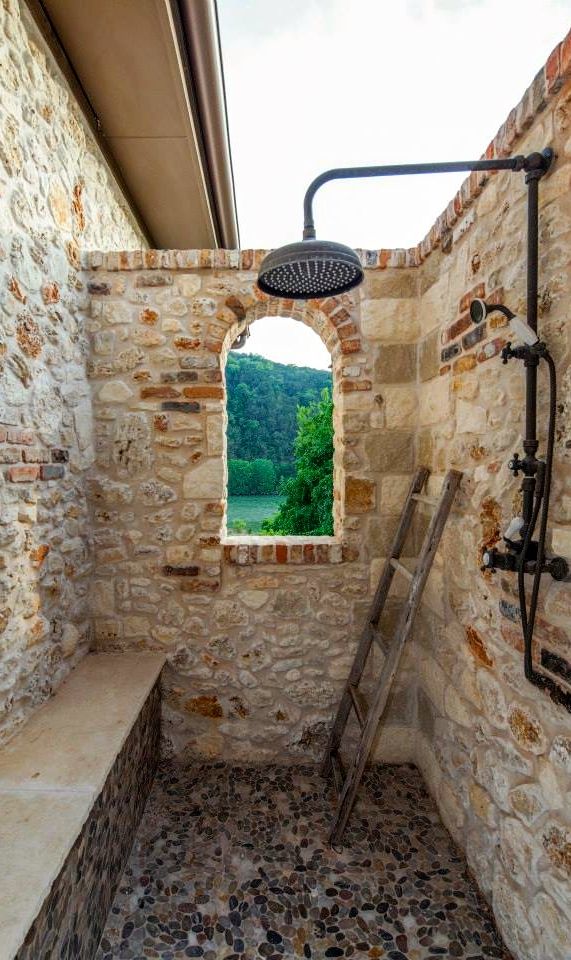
(36, 835)
(72, 741)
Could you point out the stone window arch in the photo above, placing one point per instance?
(333, 321)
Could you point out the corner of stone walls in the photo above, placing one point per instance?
(495, 751)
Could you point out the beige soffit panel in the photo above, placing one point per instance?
(130, 58)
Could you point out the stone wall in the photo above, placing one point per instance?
(258, 633)
(496, 751)
(56, 199)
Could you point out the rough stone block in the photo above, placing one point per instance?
(359, 495)
(390, 319)
(396, 363)
(428, 356)
(400, 405)
(390, 451)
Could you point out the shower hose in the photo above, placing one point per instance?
(541, 505)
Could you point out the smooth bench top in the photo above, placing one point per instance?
(51, 773)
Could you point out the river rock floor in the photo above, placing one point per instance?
(233, 862)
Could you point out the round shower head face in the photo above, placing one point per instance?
(310, 270)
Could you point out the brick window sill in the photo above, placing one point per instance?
(249, 550)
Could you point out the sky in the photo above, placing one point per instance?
(314, 84)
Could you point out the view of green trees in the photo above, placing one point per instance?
(308, 505)
(263, 398)
(251, 478)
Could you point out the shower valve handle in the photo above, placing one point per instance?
(516, 465)
(506, 353)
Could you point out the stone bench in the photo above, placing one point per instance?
(73, 784)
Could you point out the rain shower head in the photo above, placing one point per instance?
(309, 270)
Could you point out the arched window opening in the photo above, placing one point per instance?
(280, 442)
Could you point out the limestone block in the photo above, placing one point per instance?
(115, 391)
(518, 852)
(318, 694)
(429, 356)
(180, 556)
(527, 802)
(189, 285)
(228, 613)
(561, 542)
(511, 916)
(434, 402)
(493, 699)
(116, 312)
(254, 599)
(359, 495)
(560, 753)
(393, 493)
(498, 780)
(551, 925)
(556, 839)
(390, 451)
(102, 598)
(400, 406)
(481, 854)
(215, 436)
(203, 307)
(395, 363)
(131, 449)
(205, 481)
(70, 639)
(451, 809)
(136, 626)
(457, 708)
(390, 319)
(153, 492)
(434, 305)
(526, 729)
(470, 418)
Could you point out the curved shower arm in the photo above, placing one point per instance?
(535, 161)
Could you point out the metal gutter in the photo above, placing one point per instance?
(198, 22)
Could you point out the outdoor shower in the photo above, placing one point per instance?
(314, 269)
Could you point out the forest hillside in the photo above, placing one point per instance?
(263, 399)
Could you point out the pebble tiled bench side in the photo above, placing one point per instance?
(69, 825)
(73, 917)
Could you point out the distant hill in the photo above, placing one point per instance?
(263, 398)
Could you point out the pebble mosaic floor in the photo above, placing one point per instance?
(233, 862)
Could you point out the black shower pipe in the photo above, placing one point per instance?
(536, 164)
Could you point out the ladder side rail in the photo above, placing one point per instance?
(419, 479)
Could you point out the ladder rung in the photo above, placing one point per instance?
(396, 565)
(338, 771)
(420, 498)
(358, 705)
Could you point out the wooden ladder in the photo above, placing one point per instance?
(369, 714)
